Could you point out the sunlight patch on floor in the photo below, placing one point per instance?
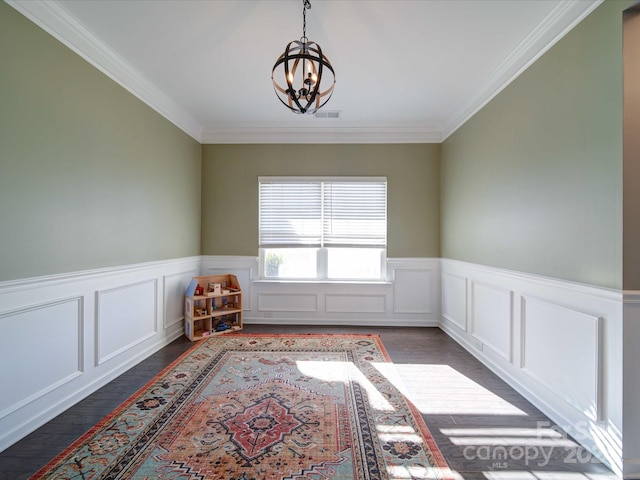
(416, 472)
(508, 436)
(345, 372)
(508, 441)
(442, 390)
(395, 429)
(536, 475)
(404, 437)
(543, 431)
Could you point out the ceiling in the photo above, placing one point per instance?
(406, 70)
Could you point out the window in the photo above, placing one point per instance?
(323, 228)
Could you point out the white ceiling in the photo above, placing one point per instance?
(406, 70)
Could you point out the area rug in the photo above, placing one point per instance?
(258, 407)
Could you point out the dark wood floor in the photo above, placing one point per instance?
(473, 415)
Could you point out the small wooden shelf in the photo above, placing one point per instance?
(205, 314)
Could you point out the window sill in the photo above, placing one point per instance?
(322, 282)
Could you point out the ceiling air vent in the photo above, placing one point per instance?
(328, 114)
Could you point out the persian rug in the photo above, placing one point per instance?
(258, 407)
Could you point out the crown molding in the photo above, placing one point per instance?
(564, 17)
(283, 134)
(53, 19)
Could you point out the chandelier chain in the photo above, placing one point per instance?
(306, 4)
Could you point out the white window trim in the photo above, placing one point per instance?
(322, 252)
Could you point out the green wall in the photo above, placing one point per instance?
(533, 182)
(230, 190)
(89, 175)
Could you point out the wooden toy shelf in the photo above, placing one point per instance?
(215, 309)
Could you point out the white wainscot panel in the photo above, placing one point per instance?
(175, 286)
(561, 350)
(345, 303)
(412, 290)
(126, 316)
(454, 299)
(287, 302)
(492, 317)
(42, 348)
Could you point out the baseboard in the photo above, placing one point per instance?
(344, 321)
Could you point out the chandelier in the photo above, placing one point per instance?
(304, 71)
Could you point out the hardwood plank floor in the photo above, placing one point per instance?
(473, 415)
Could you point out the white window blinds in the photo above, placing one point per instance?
(290, 213)
(322, 212)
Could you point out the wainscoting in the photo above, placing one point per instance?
(409, 297)
(557, 343)
(64, 336)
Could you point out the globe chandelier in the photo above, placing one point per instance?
(303, 77)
